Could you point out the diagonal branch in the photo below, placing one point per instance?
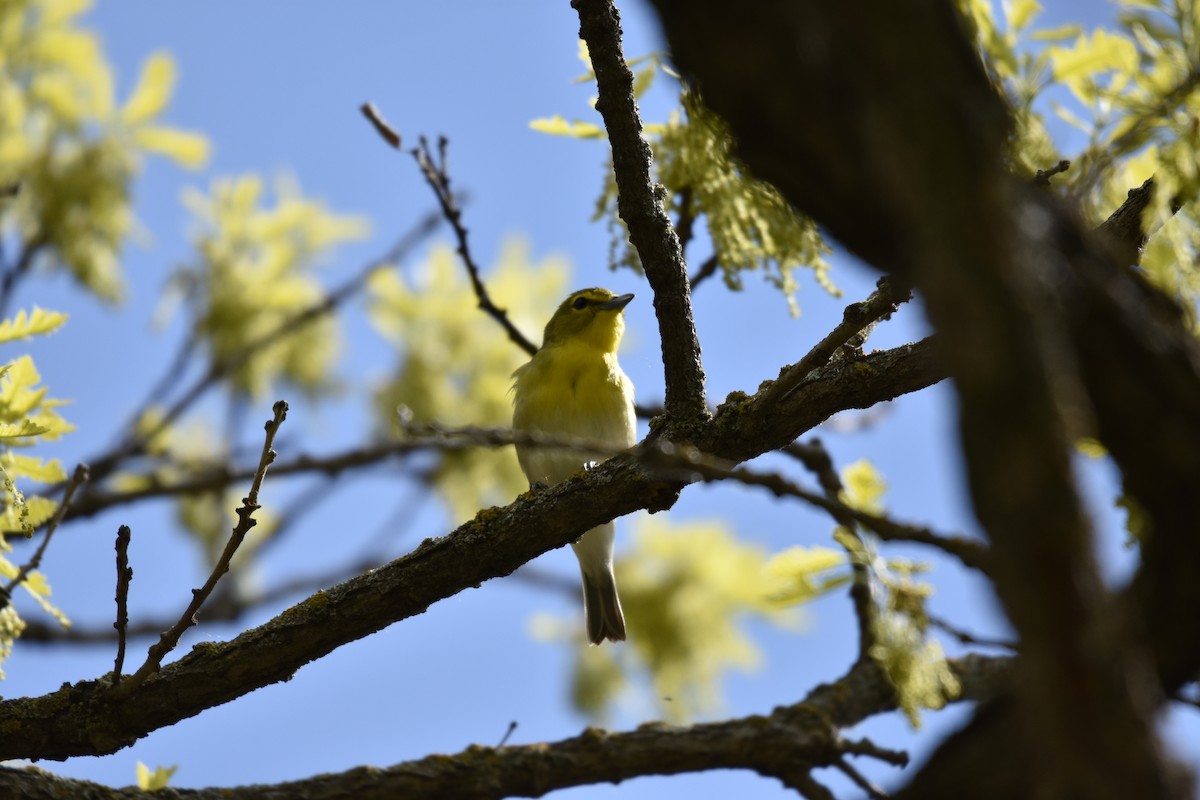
(496, 543)
(856, 318)
(435, 174)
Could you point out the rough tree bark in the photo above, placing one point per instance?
(878, 120)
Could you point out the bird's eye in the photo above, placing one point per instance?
(580, 303)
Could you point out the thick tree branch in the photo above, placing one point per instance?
(906, 169)
(855, 319)
(496, 543)
(640, 204)
(785, 745)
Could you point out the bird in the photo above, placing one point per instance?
(573, 388)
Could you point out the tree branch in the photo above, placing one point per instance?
(435, 174)
(124, 576)
(640, 204)
(907, 170)
(496, 543)
(246, 521)
(856, 318)
(786, 745)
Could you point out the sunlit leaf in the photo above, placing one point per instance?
(32, 323)
(152, 780)
(558, 126)
(152, 92)
(183, 147)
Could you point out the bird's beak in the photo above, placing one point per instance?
(616, 304)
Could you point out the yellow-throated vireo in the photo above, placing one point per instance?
(573, 388)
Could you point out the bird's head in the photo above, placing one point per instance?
(589, 316)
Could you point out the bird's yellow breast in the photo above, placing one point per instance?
(571, 390)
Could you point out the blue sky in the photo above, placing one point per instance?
(277, 87)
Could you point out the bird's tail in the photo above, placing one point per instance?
(600, 602)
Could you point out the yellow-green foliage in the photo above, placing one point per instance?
(800, 574)
(455, 366)
(69, 147)
(11, 628)
(913, 662)
(28, 416)
(750, 225)
(1134, 93)
(687, 590)
(254, 272)
(149, 780)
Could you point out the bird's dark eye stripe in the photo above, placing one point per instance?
(580, 303)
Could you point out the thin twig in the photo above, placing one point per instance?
(385, 130)
(420, 438)
(135, 442)
(857, 318)
(79, 477)
(439, 180)
(816, 458)
(512, 726)
(685, 223)
(246, 521)
(124, 576)
(436, 174)
(706, 271)
(873, 791)
(692, 465)
(215, 611)
(803, 782)
(170, 376)
(966, 638)
(865, 747)
(8, 284)
(1043, 176)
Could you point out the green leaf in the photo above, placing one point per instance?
(185, 148)
(35, 511)
(864, 487)
(35, 469)
(33, 323)
(1061, 33)
(152, 781)
(1080, 65)
(800, 574)
(558, 126)
(11, 627)
(1020, 13)
(914, 665)
(14, 430)
(36, 585)
(153, 90)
